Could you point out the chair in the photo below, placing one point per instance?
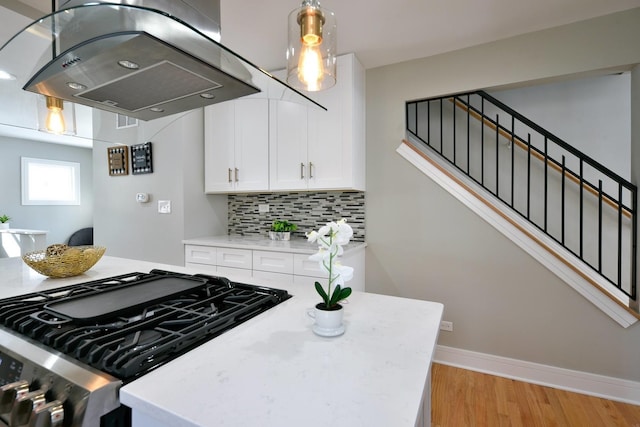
(82, 237)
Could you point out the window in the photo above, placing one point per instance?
(50, 182)
(123, 121)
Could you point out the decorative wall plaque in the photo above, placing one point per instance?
(141, 158)
(118, 160)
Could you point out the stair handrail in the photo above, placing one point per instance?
(589, 160)
(548, 136)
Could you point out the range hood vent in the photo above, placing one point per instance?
(141, 61)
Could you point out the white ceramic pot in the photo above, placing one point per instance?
(280, 235)
(4, 225)
(328, 323)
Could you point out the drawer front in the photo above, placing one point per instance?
(273, 279)
(276, 262)
(234, 274)
(236, 258)
(202, 268)
(200, 254)
(303, 266)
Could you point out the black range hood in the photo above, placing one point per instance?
(142, 58)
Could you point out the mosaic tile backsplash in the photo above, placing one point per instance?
(308, 211)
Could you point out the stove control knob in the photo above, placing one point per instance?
(49, 415)
(25, 406)
(9, 393)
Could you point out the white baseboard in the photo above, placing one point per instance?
(565, 379)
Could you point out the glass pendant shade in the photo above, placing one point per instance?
(311, 54)
(56, 116)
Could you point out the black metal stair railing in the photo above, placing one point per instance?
(587, 208)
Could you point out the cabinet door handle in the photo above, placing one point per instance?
(229, 175)
(310, 170)
(236, 174)
(301, 170)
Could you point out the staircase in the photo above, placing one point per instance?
(569, 208)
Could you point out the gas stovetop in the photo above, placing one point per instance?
(129, 325)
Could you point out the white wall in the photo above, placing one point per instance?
(133, 230)
(591, 114)
(60, 221)
(501, 300)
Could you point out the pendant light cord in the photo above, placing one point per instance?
(53, 29)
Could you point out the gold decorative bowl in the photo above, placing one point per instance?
(64, 261)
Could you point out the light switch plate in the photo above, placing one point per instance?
(164, 206)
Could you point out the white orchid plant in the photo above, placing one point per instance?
(330, 239)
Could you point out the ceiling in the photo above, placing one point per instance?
(380, 33)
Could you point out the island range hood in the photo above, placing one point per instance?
(143, 58)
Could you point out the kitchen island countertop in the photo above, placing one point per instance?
(273, 370)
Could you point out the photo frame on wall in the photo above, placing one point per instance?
(141, 159)
(118, 158)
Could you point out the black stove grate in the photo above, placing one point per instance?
(132, 343)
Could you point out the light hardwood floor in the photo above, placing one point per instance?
(463, 398)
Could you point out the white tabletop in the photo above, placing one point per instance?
(22, 231)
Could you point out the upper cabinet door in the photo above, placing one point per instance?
(336, 152)
(237, 146)
(289, 169)
(219, 146)
(251, 172)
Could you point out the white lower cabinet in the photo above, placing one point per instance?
(275, 262)
(303, 266)
(234, 258)
(272, 266)
(273, 277)
(233, 272)
(200, 254)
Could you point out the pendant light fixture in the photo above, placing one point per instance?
(52, 117)
(55, 120)
(311, 55)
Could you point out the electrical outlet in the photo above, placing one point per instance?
(263, 208)
(164, 206)
(446, 326)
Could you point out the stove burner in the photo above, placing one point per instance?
(129, 341)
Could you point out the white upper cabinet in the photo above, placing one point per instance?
(237, 146)
(288, 127)
(259, 144)
(330, 153)
(337, 136)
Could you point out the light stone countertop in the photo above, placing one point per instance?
(22, 231)
(295, 245)
(273, 370)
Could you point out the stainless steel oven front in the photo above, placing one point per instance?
(42, 388)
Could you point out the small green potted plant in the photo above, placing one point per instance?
(281, 230)
(4, 222)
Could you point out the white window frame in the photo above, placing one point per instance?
(123, 122)
(74, 182)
